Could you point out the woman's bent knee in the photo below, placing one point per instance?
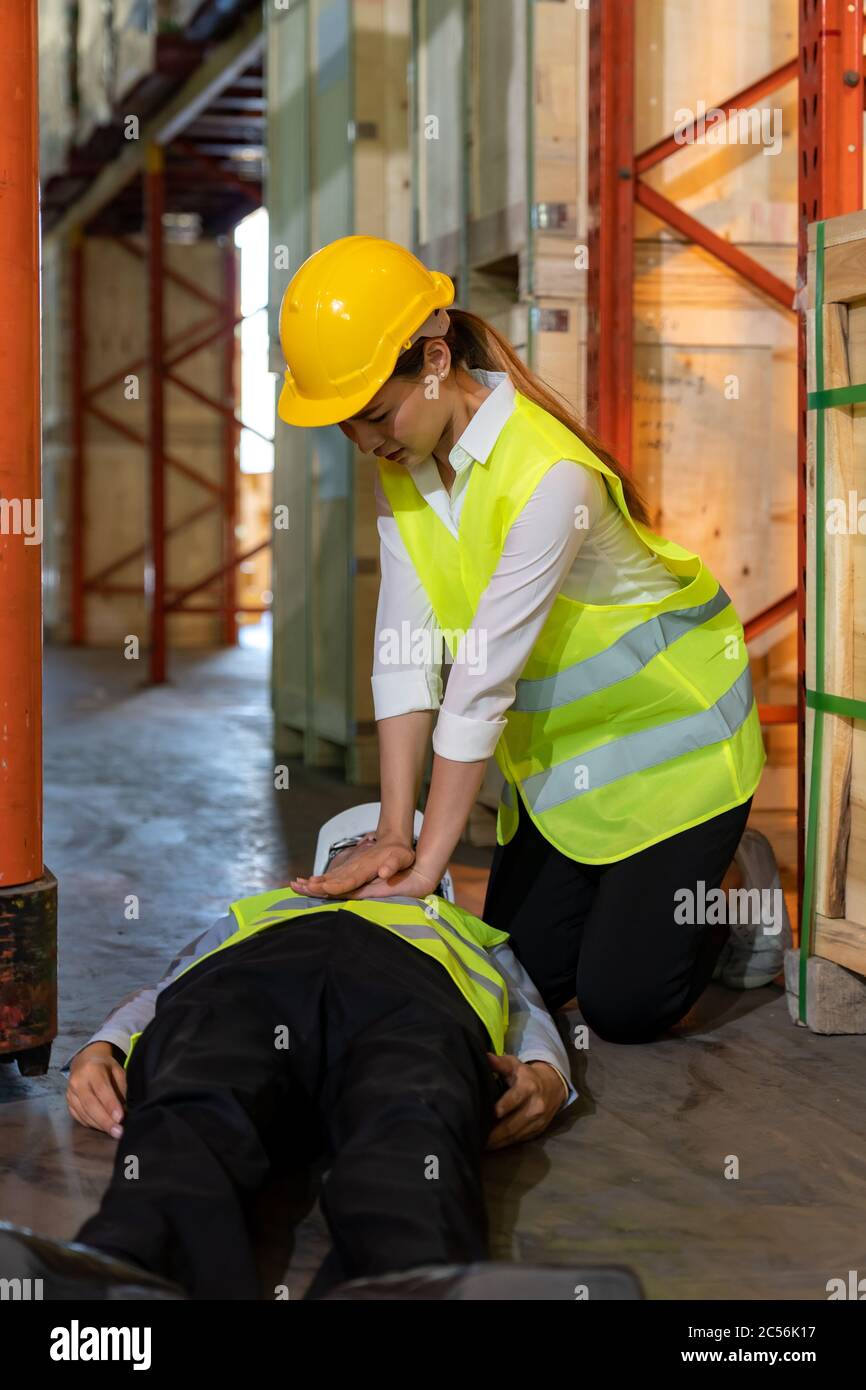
(617, 1022)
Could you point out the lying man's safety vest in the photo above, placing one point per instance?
(454, 937)
(630, 722)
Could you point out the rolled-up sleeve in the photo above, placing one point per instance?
(538, 553)
(406, 672)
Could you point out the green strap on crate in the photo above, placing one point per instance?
(837, 704)
(837, 395)
(819, 700)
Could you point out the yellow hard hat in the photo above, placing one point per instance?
(346, 315)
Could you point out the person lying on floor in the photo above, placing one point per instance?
(397, 1039)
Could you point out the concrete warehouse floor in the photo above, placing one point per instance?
(168, 794)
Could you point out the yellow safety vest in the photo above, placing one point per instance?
(630, 722)
(454, 937)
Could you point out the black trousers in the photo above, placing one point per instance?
(385, 1075)
(606, 933)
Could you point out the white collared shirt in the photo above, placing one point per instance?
(545, 553)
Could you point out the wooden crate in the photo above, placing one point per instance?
(840, 857)
(714, 448)
(117, 500)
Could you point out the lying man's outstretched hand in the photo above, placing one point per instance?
(533, 1097)
(97, 1089)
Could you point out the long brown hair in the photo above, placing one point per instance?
(476, 344)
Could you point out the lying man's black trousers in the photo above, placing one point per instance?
(385, 1076)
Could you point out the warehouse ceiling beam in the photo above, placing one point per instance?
(213, 169)
(219, 70)
(214, 78)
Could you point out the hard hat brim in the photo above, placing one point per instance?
(296, 410)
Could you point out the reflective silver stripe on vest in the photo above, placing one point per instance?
(415, 931)
(433, 915)
(628, 655)
(293, 905)
(508, 795)
(638, 751)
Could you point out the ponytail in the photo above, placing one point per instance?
(476, 345)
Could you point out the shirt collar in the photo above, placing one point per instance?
(477, 440)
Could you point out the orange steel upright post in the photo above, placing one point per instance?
(28, 893)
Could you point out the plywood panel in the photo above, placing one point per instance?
(855, 884)
(440, 130)
(559, 333)
(559, 112)
(382, 177)
(839, 480)
(683, 413)
(289, 231)
(255, 510)
(382, 157)
(497, 149)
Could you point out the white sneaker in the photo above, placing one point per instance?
(754, 953)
